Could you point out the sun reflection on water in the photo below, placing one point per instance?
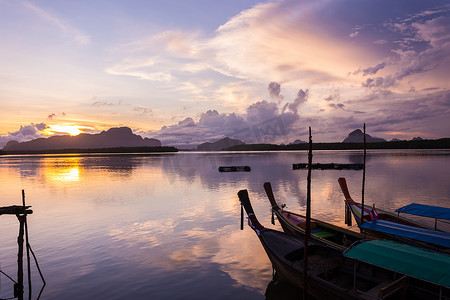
(69, 171)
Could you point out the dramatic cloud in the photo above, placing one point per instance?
(262, 122)
(423, 48)
(335, 95)
(336, 106)
(379, 82)
(374, 70)
(274, 89)
(25, 133)
(302, 97)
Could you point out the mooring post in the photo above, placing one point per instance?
(364, 178)
(18, 288)
(308, 220)
(27, 244)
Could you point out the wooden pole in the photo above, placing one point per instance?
(308, 220)
(27, 244)
(18, 291)
(364, 177)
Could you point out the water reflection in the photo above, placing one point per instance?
(69, 171)
(130, 226)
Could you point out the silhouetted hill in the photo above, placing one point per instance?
(219, 145)
(113, 138)
(357, 136)
(423, 144)
(298, 142)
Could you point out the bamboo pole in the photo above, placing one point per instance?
(27, 244)
(308, 220)
(18, 291)
(364, 177)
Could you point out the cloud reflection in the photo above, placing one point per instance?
(198, 247)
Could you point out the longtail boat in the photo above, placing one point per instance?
(370, 270)
(293, 223)
(388, 225)
(356, 209)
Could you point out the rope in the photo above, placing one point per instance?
(8, 276)
(39, 270)
(12, 281)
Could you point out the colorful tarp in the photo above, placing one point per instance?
(408, 260)
(416, 233)
(426, 211)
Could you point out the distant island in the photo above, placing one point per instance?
(357, 136)
(114, 140)
(123, 140)
(421, 144)
(219, 145)
(354, 140)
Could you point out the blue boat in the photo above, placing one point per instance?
(382, 224)
(416, 234)
(434, 212)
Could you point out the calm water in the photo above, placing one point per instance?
(166, 226)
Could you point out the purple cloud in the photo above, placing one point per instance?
(379, 82)
(262, 121)
(373, 70)
(274, 89)
(25, 133)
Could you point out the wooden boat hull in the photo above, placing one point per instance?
(292, 271)
(329, 234)
(387, 225)
(356, 210)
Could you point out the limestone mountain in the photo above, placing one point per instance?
(357, 136)
(112, 138)
(296, 142)
(219, 145)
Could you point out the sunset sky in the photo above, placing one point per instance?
(191, 71)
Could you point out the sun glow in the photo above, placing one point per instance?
(70, 129)
(66, 170)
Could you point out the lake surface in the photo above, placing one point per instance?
(167, 226)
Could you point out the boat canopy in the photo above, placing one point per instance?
(416, 233)
(405, 259)
(426, 211)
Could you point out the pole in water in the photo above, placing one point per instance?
(308, 220)
(18, 288)
(242, 217)
(27, 244)
(364, 177)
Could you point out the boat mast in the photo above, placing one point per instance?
(364, 177)
(308, 220)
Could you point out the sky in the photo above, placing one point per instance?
(192, 71)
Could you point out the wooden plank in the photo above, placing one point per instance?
(15, 210)
(328, 166)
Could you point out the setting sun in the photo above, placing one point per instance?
(69, 129)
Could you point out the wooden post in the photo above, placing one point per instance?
(21, 213)
(308, 220)
(242, 217)
(27, 243)
(364, 177)
(18, 291)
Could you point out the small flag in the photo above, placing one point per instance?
(374, 213)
